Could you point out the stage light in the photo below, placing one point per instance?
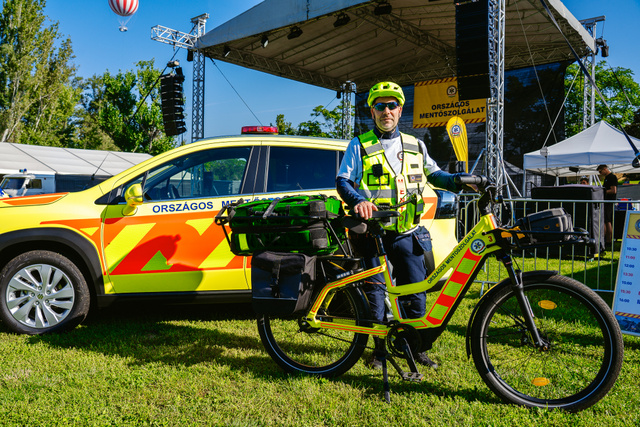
(294, 33)
(383, 8)
(265, 41)
(226, 51)
(342, 19)
(604, 47)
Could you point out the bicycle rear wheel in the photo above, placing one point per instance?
(583, 353)
(323, 352)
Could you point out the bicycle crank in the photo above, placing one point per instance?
(399, 335)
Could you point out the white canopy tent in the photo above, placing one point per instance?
(582, 153)
(39, 159)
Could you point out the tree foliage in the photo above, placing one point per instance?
(116, 104)
(38, 88)
(617, 86)
(43, 102)
(323, 123)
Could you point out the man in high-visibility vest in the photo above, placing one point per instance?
(384, 166)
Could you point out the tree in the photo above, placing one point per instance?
(89, 134)
(38, 89)
(324, 123)
(117, 106)
(610, 81)
(284, 127)
(633, 128)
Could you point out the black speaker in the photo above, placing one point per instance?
(472, 49)
(172, 99)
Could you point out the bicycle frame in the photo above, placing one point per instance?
(464, 262)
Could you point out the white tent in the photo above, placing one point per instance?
(582, 153)
(65, 161)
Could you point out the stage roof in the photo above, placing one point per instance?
(416, 42)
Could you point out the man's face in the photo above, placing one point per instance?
(604, 171)
(386, 120)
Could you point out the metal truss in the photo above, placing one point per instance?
(589, 90)
(405, 30)
(348, 88)
(250, 60)
(197, 110)
(495, 113)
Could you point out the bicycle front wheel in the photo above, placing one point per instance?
(582, 352)
(324, 352)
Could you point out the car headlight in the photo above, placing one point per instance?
(447, 204)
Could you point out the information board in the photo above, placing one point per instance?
(626, 305)
(436, 101)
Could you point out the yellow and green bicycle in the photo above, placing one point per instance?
(537, 338)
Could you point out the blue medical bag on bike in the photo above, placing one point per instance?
(282, 283)
(291, 224)
(546, 226)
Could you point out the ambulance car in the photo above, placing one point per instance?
(149, 232)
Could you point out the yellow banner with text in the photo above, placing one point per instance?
(436, 101)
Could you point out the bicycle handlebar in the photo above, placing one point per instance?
(480, 181)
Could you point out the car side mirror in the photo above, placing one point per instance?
(133, 197)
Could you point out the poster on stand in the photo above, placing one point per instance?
(626, 303)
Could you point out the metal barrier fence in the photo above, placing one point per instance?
(596, 267)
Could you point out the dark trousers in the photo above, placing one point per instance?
(406, 255)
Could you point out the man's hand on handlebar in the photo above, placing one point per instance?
(477, 183)
(365, 209)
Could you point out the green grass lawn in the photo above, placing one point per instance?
(205, 365)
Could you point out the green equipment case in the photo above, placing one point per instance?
(304, 224)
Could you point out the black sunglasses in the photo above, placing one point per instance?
(380, 106)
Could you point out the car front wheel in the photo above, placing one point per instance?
(42, 291)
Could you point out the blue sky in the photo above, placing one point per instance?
(99, 45)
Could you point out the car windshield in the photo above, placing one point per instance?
(12, 183)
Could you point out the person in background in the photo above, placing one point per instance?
(384, 166)
(584, 180)
(610, 185)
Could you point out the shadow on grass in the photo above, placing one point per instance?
(151, 335)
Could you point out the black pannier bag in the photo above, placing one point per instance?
(282, 282)
(546, 226)
(291, 224)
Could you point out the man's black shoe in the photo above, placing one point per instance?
(423, 359)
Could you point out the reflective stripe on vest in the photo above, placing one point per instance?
(385, 187)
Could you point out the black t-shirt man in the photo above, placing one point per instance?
(609, 182)
(610, 185)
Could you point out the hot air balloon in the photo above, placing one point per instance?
(124, 8)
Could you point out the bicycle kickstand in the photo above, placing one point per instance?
(414, 375)
(385, 379)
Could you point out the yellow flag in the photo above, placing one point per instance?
(458, 135)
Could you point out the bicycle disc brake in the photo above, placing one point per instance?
(411, 337)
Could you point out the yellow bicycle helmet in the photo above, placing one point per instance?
(385, 89)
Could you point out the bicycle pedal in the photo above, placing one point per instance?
(415, 377)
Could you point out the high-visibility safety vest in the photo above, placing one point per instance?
(381, 185)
